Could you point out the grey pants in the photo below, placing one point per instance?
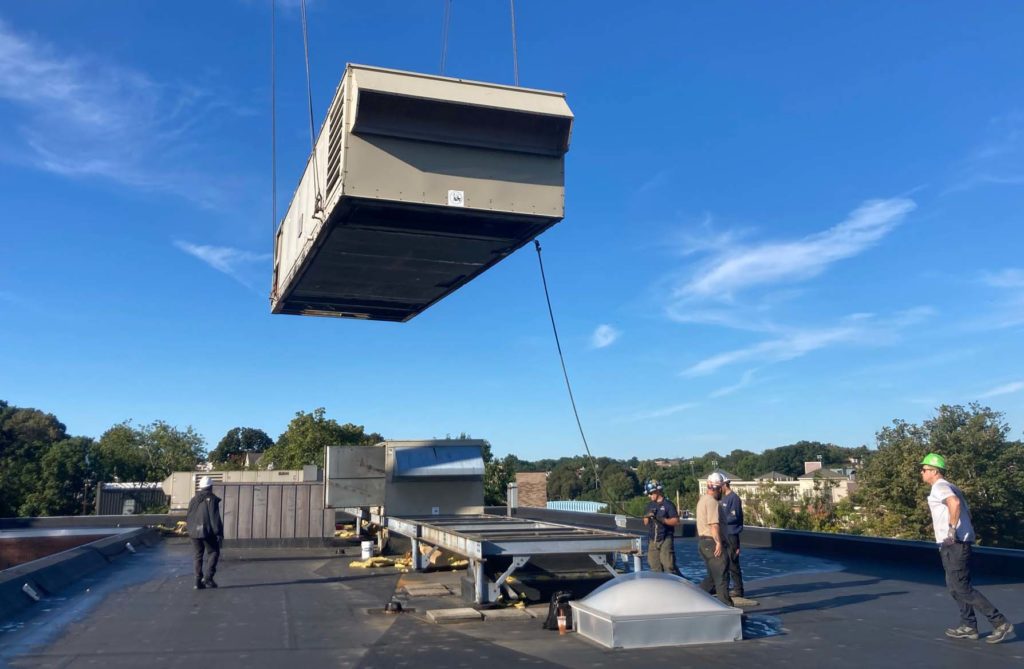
(714, 582)
(661, 555)
(956, 561)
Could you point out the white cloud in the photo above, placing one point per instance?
(232, 262)
(745, 380)
(663, 412)
(604, 335)
(1007, 278)
(80, 117)
(860, 328)
(1005, 389)
(738, 268)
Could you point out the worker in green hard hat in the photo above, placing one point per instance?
(954, 533)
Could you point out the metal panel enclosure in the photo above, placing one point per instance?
(416, 185)
(354, 476)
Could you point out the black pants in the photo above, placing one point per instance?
(714, 582)
(732, 554)
(956, 561)
(211, 546)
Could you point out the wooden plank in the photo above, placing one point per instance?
(316, 510)
(229, 502)
(259, 512)
(301, 511)
(287, 511)
(274, 511)
(245, 511)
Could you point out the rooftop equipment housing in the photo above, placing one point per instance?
(423, 182)
(408, 478)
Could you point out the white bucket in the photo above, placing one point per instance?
(367, 547)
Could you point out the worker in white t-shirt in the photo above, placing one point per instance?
(954, 533)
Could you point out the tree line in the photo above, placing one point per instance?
(46, 471)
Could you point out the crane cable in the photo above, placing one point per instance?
(444, 33)
(273, 129)
(515, 53)
(318, 206)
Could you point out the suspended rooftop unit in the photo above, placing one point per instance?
(416, 185)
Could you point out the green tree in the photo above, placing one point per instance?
(25, 437)
(147, 453)
(306, 436)
(67, 480)
(240, 440)
(980, 460)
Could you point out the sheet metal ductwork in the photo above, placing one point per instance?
(423, 183)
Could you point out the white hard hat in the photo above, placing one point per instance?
(206, 482)
(715, 480)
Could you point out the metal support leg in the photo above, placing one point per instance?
(479, 584)
(638, 565)
(602, 559)
(417, 559)
(517, 562)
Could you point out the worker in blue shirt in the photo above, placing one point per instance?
(661, 517)
(732, 514)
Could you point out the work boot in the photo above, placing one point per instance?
(964, 632)
(210, 583)
(1000, 633)
(199, 584)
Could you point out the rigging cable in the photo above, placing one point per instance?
(565, 373)
(515, 55)
(444, 33)
(318, 206)
(273, 129)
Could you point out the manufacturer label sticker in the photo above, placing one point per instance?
(456, 198)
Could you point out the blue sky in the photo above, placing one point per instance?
(784, 221)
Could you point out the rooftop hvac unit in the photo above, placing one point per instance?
(408, 478)
(416, 185)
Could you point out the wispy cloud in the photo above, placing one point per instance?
(663, 412)
(232, 262)
(738, 268)
(997, 160)
(604, 335)
(745, 380)
(81, 117)
(1007, 278)
(862, 329)
(1005, 389)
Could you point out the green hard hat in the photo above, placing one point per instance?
(934, 460)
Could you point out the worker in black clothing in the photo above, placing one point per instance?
(661, 517)
(206, 529)
(732, 514)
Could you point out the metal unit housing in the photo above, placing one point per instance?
(416, 185)
(428, 477)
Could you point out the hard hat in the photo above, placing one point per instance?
(205, 482)
(652, 486)
(715, 480)
(934, 460)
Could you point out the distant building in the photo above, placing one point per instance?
(818, 482)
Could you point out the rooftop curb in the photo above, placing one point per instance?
(49, 575)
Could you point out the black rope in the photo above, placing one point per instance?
(565, 373)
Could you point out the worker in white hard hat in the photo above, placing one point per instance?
(206, 530)
(661, 519)
(710, 539)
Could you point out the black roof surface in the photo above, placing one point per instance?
(308, 608)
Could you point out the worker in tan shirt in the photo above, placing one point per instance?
(710, 541)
